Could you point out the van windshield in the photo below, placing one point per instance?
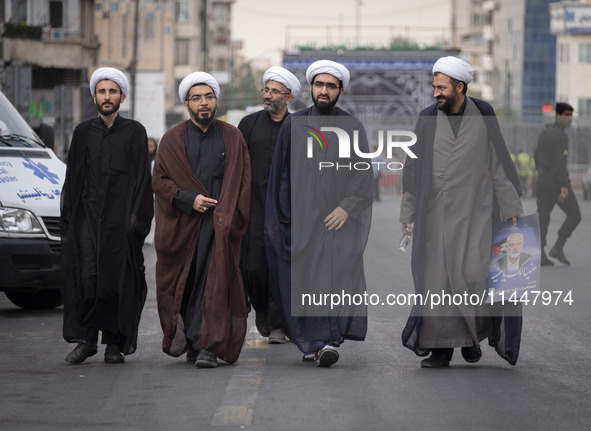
(14, 130)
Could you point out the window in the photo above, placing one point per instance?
(585, 53)
(181, 52)
(584, 107)
(19, 12)
(183, 10)
(56, 14)
(563, 53)
(221, 15)
(149, 26)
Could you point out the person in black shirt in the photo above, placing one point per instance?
(553, 183)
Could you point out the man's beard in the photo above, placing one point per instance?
(514, 256)
(325, 106)
(448, 103)
(113, 108)
(203, 121)
(275, 106)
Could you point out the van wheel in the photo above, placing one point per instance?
(35, 299)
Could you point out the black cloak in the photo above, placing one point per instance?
(114, 226)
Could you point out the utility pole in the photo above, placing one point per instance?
(358, 4)
(204, 34)
(133, 64)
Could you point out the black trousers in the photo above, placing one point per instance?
(547, 197)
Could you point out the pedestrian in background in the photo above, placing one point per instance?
(463, 170)
(524, 168)
(260, 130)
(202, 185)
(378, 165)
(107, 208)
(553, 186)
(152, 150)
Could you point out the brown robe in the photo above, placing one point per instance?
(224, 311)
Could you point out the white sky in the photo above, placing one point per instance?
(265, 27)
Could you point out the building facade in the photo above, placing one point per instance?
(571, 23)
(174, 38)
(524, 57)
(46, 49)
(471, 28)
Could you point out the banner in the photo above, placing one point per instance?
(514, 259)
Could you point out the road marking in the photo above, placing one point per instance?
(256, 344)
(237, 406)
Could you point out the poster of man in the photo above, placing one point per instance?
(515, 259)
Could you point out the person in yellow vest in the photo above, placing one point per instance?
(533, 177)
(523, 168)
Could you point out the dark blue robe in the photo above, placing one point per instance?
(303, 255)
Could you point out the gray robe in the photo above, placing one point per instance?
(458, 234)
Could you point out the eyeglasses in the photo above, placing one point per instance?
(329, 85)
(208, 98)
(274, 92)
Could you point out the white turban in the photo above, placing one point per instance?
(328, 66)
(198, 78)
(111, 74)
(283, 76)
(454, 68)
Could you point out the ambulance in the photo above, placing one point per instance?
(31, 179)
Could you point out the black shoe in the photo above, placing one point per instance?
(80, 353)
(544, 261)
(558, 254)
(309, 357)
(113, 355)
(435, 361)
(326, 357)
(471, 354)
(192, 355)
(261, 324)
(206, 359)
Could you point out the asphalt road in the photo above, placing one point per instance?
(376, 385)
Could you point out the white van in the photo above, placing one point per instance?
(31, 179)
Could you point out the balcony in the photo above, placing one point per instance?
(48, 47)
(19, 31)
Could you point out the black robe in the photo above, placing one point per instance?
(107, 209)
(260, 132)
(304, 256)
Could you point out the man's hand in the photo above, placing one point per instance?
(336, 219)
(407, 227)
(563, 194)
(202, 204)
(515, 219)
